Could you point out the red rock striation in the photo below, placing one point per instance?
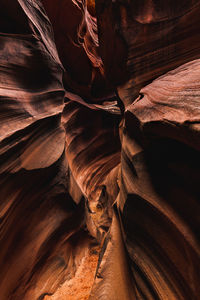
(100, 141)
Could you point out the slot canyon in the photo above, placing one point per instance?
(99, 150)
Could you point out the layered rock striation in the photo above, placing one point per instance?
(100, 141)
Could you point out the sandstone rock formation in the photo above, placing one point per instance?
(100, 141)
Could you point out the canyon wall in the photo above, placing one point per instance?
(100, 141)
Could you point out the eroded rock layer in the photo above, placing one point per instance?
(100, 141)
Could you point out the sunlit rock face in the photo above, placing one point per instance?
(100, 140)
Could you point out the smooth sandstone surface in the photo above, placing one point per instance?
(99, 148)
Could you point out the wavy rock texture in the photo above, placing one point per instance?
(100, 141)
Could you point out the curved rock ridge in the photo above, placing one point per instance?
(99, 148)
(40, 222)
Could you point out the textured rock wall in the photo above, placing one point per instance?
(100, 112)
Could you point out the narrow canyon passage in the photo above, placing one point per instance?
(99, 150)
